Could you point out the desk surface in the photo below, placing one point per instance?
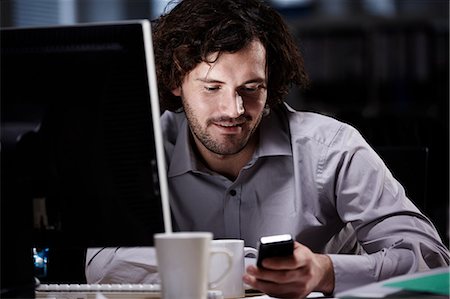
(97, 294)
(147, 295)
(434, 281)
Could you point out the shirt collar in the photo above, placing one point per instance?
(183, 158)
(273, 142)
(274, 135)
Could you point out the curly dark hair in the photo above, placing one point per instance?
(185, 37)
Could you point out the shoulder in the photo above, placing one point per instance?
(321, 129)
(329, 142)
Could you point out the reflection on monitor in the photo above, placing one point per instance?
(81, 147)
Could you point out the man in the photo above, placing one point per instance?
(242, 164)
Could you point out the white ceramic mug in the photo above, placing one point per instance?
(232, 285)
(183, 263)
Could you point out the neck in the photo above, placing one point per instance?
(228, 165)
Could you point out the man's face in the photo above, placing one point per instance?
(224, 100)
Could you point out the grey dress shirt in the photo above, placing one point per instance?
(315, 178)
(311, 176)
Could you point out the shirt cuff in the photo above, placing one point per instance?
(351, 271)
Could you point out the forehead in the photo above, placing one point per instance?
(245, 64)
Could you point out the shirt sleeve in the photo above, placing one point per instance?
(121, 265)
(395, 235)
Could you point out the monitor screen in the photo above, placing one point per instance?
(81, 146)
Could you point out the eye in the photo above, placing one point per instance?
(251, 89)
(211, 88)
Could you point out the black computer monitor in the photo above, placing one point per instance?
(82, 159)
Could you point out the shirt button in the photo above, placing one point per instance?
(232, 192)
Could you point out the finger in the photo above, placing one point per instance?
(276, 276)
(281, 263)
(250, 280)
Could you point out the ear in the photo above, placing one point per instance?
(176, 91)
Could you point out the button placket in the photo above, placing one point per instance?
(232, 206)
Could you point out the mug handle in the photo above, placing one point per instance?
(250, 251)
(253, 253)
(229, 255)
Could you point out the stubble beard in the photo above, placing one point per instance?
(229, 145)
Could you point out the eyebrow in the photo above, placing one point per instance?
(256, 80)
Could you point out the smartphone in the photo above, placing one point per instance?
(276, 245)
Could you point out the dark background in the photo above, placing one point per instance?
(381, 65)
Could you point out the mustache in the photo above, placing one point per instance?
(238, 120)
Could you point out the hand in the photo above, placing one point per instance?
(293, 277)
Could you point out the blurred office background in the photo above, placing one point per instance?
(381, 65)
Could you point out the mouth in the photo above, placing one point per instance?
(229, 127)
(226, 125)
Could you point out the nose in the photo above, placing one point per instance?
(232, 105)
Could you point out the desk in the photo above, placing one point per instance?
(153, 295)
(397, 289)
(120, 291)
(130, 295)
(136, 295)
